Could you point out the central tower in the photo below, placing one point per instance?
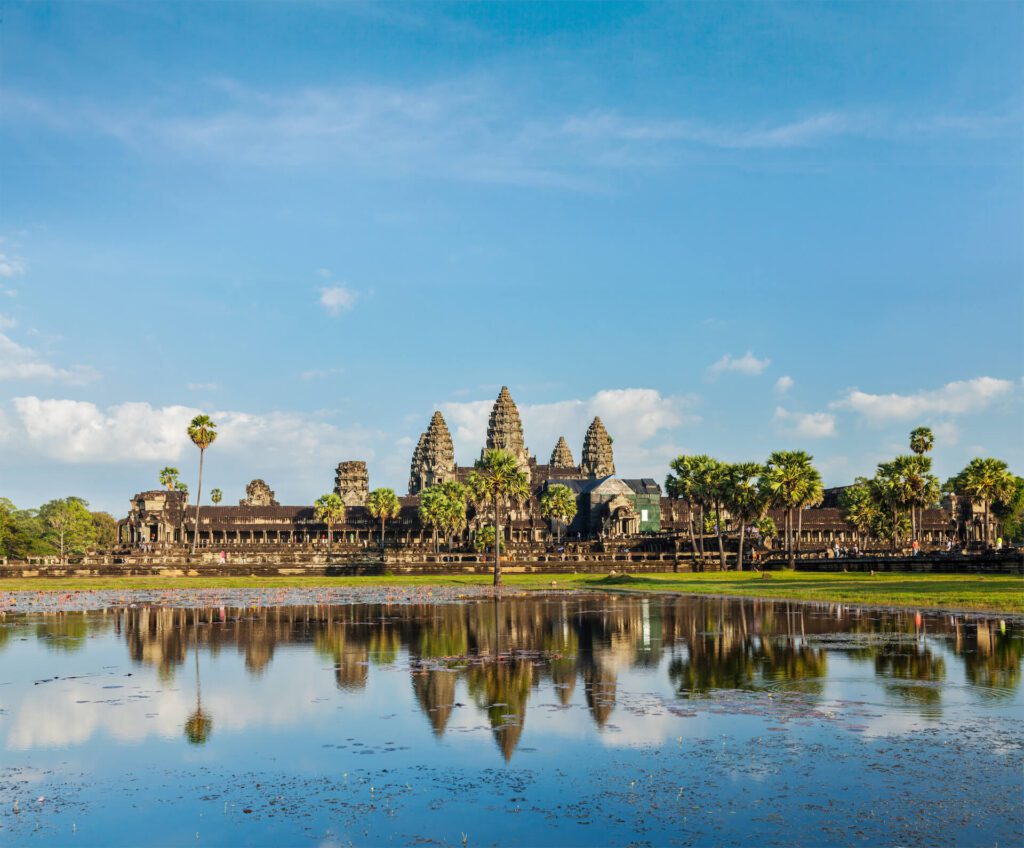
(505, 429)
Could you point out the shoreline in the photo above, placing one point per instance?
(990, 594)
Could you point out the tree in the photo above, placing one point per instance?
(744, 498)
(203, 433)
(104, 530)
(22, 532)
(181, 487)
(7, 510)
(69, 525)
(1010, 511)
(988, 480)
(330, 510)
(431, 510)
(706, 479)
(679, 484)
(383, 504)
(791, 482)
(922, 440)
(558, 503)
(453, 509)
(498, 479)
(901, 486)
(860, 507)
(169, 476)
(483, 538)
(216, 496)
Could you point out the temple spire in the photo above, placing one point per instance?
(598, 460)
(561, 456)
(433, 461)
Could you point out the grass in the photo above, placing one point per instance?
(991, 593)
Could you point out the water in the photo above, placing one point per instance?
(418, 717)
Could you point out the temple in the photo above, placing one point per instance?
(611, 511)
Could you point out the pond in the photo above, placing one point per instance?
(428, 717)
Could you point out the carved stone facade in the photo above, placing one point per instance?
(433, 461)
(598, 460)
(352, 482)
(258, 493)
(561, 456)
(505, 429)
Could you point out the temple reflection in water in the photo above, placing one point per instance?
(503, 651)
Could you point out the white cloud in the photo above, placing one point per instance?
(18, 362)
(954, 398)
(748, 365)
(946, 433)
(784, 384)
(810, 425)
(634, 417)
(337, 299)
(11, 266)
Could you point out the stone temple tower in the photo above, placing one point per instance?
(561, 456)
(433, 461)
(597, 451)
(352, 482)
(505, 429)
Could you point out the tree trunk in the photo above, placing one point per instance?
(718, 531)
(382, 532)
(988, 541)
(789, 537)
(199, 495)
(895, 532)
(701, 529)
(497, 541)
(739, 552)
(799, 527)
(689, 526)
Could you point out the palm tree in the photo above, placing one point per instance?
(203, 432)
(812, 493)
(383, 504)
(860, 507)
(216, 496)
(558, 503)
(499, 479)
(330, 510)
(168, 477)
(744, 498)
(988, 479)
(895, 486)
(922, 440)
(791, 482)
(433, 503)
(181, 486)
(679, 484)
(704, 486)
(199, 725)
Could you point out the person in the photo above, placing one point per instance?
(949, 544)
(223, 557)
(999, 543)
(915, 548)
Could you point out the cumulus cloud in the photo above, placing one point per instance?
(810, 425)
(954, 398)
(11, 266)
(337, 299)
(747, 365)
(18, 362)
(784, 384)
(634, 417)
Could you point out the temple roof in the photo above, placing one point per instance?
(598, 460)
(561, 456)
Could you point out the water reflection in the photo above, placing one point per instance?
(497, 653)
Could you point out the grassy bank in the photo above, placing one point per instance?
(998, 593)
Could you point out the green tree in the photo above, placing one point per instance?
(216, 496)
(679, 484)
(922, 440)
(203, 433)
(182, 487)
(901, 486)
(744, 498)
(169, 476)
(453, 512)
(498, 479)
(483, 538)
(705, 483)
(558, 503)
(988, 480)
(1010, 511)
(69, 525)
(329, 509)
(433, 504)
(104, 530)
(791, 482)
(383, 504)
(7, 510)
(24, 532)
(860, 507)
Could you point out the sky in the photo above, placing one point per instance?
(725, 228)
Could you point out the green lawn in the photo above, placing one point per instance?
(998, 593)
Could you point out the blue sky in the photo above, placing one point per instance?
(726, 228)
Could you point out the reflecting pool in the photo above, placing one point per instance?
(418, 717)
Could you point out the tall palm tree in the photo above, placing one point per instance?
(203, 433)
(558, 503)
(679, 484)
(705, 482)
(860, 508)
(169, 476)
(453, 509)
(216, 496)
(791, 482)
(433, 503)
(330, 510)
(499, 479)
(383, 504)
(988, 479)
(922, 440)
(744, 498)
